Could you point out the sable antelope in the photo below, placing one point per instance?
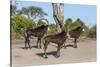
(37, 32)
(58, 39)
(75, 33)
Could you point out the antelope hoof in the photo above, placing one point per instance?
(37, 46)
(64, 47)
(61, 46)
(58, 55)
(25, 48)
(40, 46)
(75, 46)
(46, 57)
(30, 47)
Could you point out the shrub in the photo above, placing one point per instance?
(92, 32)
(20, 24)
(52, 28)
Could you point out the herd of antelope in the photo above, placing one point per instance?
(58, 38)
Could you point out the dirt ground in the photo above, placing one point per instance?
(86, 52)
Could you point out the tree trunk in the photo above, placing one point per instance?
(58, 11)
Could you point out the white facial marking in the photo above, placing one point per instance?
(48, 29)
(83, 29)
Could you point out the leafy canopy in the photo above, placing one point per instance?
(20, 24)
(32, 12)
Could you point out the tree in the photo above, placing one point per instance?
(92, 31)
(68, 24)
(58, 11)
(77, 23)
(20, 24)
(32, 12)
(52, 28)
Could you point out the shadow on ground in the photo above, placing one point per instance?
(69, 46)
(49, 53)
(35, 46)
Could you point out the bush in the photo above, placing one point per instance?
(92, 32)
(20, 24)
(52, 28)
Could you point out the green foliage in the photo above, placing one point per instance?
(20, 24)
(92, 32)
(67, 24)
(76, 23)
(68, 21)
(72, 25)
(32, 12)
(52, 28)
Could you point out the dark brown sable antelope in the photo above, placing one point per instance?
(75, 34)
(38, 32)
(58, 39)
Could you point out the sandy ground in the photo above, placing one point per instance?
(86, 52)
